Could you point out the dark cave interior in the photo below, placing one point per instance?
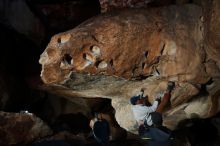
(20, 70)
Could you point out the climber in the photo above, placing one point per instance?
(157, 134)
(100, 128)
(142, 111)
(141, 108)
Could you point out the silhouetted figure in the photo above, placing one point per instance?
(101, 129)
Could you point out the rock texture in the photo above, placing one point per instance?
(107, 44)
(111, 5)
(21, 128)
(212, 33)
(116, 54)
(108, 5)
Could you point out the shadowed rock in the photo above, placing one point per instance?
(21, 128)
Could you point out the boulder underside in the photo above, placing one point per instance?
(116, 54)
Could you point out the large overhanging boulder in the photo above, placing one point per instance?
(116, 54)
(131, 44)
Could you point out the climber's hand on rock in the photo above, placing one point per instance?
(158, 97)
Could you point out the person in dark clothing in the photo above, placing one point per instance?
(101, 129)
(157, 134)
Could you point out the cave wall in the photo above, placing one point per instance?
(26, 26)
(111, 56)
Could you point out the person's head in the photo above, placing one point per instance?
(136, 100)
(98, 116)
(157, 119)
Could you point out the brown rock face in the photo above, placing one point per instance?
(116, 54)
(21, 128)
(131, 44)
(212, 32)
